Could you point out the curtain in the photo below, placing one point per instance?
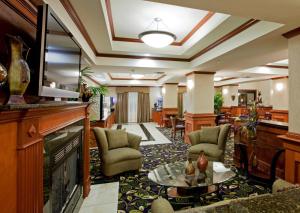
(180, 104)
(122, 108)
(143, 112)
(132, 107)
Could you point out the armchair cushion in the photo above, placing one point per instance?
(134, 141)
(116, 138)
(194, 137)
(211, 150)
(121, 154)
(209, 135)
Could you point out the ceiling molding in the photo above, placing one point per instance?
(277, 66)
(226, 37)
(200, 72)
(227, 79)
(280, 77)
(74, 16)
(130, 79)
(109, 55)
(137, 40)
(93, 80)
(292, 33)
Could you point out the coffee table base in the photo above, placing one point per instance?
(174, 192)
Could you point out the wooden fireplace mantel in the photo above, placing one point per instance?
(22, 131)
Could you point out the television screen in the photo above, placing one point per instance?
(60, 58)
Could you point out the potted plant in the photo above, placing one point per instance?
(251, 123)
(88, 91)
(218, 102)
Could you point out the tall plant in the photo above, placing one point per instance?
(218, 102)
(89, 91)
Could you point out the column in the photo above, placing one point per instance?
(170, 95)
(230, 95)
(200, 95)
(292, 138)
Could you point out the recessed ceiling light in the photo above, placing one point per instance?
(137, 76)
(217, 78)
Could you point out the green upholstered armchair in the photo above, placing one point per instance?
(210, 140)
(118, 151)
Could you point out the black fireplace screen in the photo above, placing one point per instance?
(63, 169)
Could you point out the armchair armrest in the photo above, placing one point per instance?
(134, 140)
(161, 205)
(101, 140)
(194, 137)
(281, 185)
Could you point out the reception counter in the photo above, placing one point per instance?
(265, 150)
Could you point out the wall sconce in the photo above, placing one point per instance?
(233, 97)
(225, 91)
(190, 84)
(279, 86)
(163, 90)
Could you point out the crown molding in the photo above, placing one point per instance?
(200, 73)
(292, 33)
(74, 16)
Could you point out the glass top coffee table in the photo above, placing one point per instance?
(173, 176)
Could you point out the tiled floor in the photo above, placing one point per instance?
(103, 198)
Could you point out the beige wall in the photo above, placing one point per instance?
(227, 92)
(170, 96)
(263, 86)
(280, 94)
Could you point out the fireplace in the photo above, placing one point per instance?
(63, 169)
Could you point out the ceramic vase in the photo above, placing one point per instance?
(3, 74)
(202, 162)
(19, 72)
(190, 169)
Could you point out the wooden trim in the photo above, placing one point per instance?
(279, 111)
(281, 77)
(110, 55)
(75, 18)
(199, 115)
(25, 9)
(137, 40)
(293, 135)
(292, 33)
(277, 66)
(226, 37)
(200, 72)
(171, 83)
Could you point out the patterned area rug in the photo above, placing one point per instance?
(137, 192)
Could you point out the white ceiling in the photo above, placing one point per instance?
(240, 56)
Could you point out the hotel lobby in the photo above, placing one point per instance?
(149, 106)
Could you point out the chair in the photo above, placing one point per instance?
(176, 127)
(210, 140)
(118, 151)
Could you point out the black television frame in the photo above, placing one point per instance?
(41, 36)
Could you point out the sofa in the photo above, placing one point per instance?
(285, 197)
(118, 151)
(210, 140)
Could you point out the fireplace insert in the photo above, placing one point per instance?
(63, 164)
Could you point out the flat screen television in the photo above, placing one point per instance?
(59, 57)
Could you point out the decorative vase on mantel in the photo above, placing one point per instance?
(19, 72)
(202, 162)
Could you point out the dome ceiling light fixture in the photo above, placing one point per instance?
(157, 38)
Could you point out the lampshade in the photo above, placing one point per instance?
(157, 38)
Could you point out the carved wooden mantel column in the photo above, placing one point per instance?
(22, 132)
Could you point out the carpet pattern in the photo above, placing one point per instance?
(137, 192)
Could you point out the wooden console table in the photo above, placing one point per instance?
(22, 132)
